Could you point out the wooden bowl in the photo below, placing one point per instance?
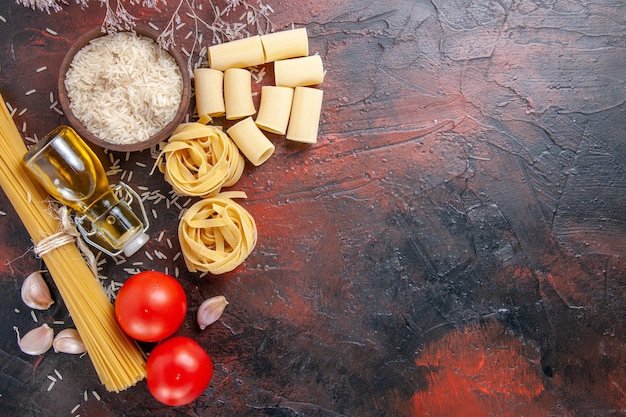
(164, 134)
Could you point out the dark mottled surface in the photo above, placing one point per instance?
(452, 245)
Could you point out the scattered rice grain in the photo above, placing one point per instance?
(154, 213)
(58, 110)
(76, 407)
(95, 395)
(50, 386)
(140, 164)
(58, 322)
(148, 255)
(29, 92)
(153, 26)
(34, 316)
(51, 378)
(58, 374)
(21, 113)
(3, 19)
(52, 32)
(40, 69)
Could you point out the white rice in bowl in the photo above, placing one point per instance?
(124, 88)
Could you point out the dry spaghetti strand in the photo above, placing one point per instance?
(119, 362)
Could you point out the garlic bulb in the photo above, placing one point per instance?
(37, 341)
(210, 311)
(35, 292)
(68, 341)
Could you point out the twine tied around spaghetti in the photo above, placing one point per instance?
(68, 234)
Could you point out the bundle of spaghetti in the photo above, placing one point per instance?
(200, 160)
(117, 359)
(216, 234)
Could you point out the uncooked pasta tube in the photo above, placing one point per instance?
(209, 85)
(274, 109)
(285, 44)
(298, 72)
(240, 53)
(251, 141)
(238, 93)
(305, 115)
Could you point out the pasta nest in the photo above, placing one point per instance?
(216, 234)
(200, 160)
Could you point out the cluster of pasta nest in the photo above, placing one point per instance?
(216, 233)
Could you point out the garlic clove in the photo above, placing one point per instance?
(68, 341)
(210, 311)
(35, 292)
(36, 341)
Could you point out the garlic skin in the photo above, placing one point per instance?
(37, 341)
(210, 311)
(35, 292)
(68, 341)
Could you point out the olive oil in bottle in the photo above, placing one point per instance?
(72, 173)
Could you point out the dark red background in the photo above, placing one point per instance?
(451, 246)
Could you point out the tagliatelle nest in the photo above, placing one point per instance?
(200, 160)
(216, 234)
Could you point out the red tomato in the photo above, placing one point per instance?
(150, 306)
(178, 371)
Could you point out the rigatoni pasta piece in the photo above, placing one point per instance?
(209, 87)
(240, 53)
(274, 109)
(285, 44)
(238, 93)
(299, 72)
(305, 115)
(251, 141)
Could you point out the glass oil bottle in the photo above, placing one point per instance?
(72, 173)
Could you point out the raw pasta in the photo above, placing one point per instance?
(117, 359)
(285, 44)
(209, 89)
(238, 93)
(217, 234)
(240, 53)
(251, 141)
(305, 115)
(200, 160)
(274, 109)
(297, 72)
